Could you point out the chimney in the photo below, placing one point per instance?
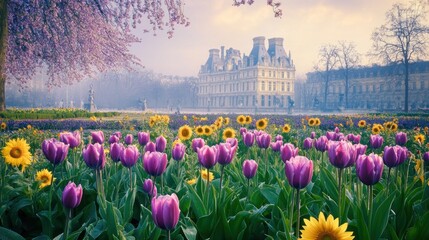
(259, 54)
(222, 53)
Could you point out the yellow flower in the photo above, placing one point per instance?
(420, 138)
(241, 119)
(317, 122)
(199, 130)
(207, 130)
(362, 123)
(321, 229)
(375, 129)
(29, 126)
(3, 126)
(185, 117)
(93, 118)
(132, 128)
(394, 127)
(192, 181)
(311, 122)
(44, 177)
(248, 119)
(218, 124)
(286, 128)
(228, 133)
(226, 120)
(204, 176)
(17, 153)
(185, 132)
(152, 121)
(262, 123)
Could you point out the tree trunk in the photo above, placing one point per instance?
(406, 66)
(3, 50)
(346, 92)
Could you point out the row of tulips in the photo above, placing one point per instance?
(302, 166)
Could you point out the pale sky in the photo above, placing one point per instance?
(305, 26)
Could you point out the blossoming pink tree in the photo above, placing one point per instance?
(72, 39)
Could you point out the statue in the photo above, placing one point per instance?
(91, 105)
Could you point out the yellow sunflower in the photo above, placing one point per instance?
(375, 129)
(185, 118)
(311, 122)
(208, 130)
(226, 120)
(318, 122)
(241, 119)
(17, 153)
(228, 133)
(419, 138)
(394, 127)
(362, 123)
(192, 181)
(388, 125)
(185, 132)
(152, 121)
(320, 229)
(262, 123)
(204, 176)
(248, 119)
(93, 118)
(3, 126)
(286, 128)
(29, 126)
(199, 130)
(44, 177)
(218, 124)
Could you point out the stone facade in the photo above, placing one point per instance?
(263, 80)
(378, 88)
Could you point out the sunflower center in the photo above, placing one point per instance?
(185, 132)
(44, 179)
(15, 152)
(327, 236)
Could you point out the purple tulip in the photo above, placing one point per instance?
(353, 138)
(263, 140)
(331, 136)
(72, 195)
(129, 156)
(232, 141)
(249, 168)
(313, 135)
(225, 153)
(113, 139)
(376, 141)
(299, 171)
(72, 139)
(308, 143)
(337, 130)
(129, 139)
(207, 156)
(118, 134)
(360, 149)
(288, 151)
(97, 137)
(426, 156)
(369, 168)
(341, 154)
(54, 150)
(155, 163)
(149, 187)
(197, 143)
(160, 143)
(276, 146)
(279, 138)
(166, 211)
(401, 138)
(94, 157)
(394, 156)
(178, 151)
(243, 130)
(115, 151)
(144, 138)
(322, 144)
(248, 138)
(150, 147)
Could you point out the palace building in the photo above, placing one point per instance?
(262, 81)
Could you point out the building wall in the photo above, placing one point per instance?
(263, 80)
(370, 88)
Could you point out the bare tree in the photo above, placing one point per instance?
(403, 38)
(328, 60)
(348, 58)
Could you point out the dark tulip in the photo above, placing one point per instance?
(54, 150)
(248, 138)
(249, 168)
(160, 144)
(207, 156)
(72, 195)
(369, 168)
(197, 143)
(129, 139)
(97, 137)
(426, 156)
(263, 140)
(149, 187)
(299, 171)
(94, 157)
(115, 151)
(276, 146)
(375, 141)
(144, 138)
(225, 153)
(401, 138)
(178, 151)
(155, 163)
(72, 139)
(166, 211)
(394, 156)
(308, 143)
(341, 154)
(312, 135)
(288, 151)
(129, 156)
(322, 144)
(150, 147)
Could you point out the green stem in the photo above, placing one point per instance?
(131, 179)
(248, 189)
(388, 181)
(291, 211)
(220, 180)
(50, 199)
(370, 204)
(298, 213)
(406, 178)
(67, 226)
(340, 193)
(207, 186)
(153, 187)
(266, 161)
(169, 235)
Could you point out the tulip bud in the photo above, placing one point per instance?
(248, 138)
(149, 187)
(394, 156)
(129, 156)
(72, 139)
(276, 146)
(299, 171)
(113, 139)
(322, 144)
(94, 157)
(115, 151)
(178, 151)
(376, 141)
(72, 195)
(160, 144)
(207, 156)
(369, 168)
(97, 137)
(426, 156)
(143, 137)
(263, 140)
(288, 151)
(308, 143)
(54, 150)
(249, 168)
(232, 141)
(341, 154)
(401, 138)
(225, 153)
(197, 143)
(155, 163)
(129, 139)
(166, 211)
(150, 147)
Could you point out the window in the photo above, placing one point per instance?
(262, 100)
(288, 75)
(269, 101)
(269, 86)
(274, 86)
(263, 86)
(283, 86)
(263, 73)
(283, 74)
(288, 87)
